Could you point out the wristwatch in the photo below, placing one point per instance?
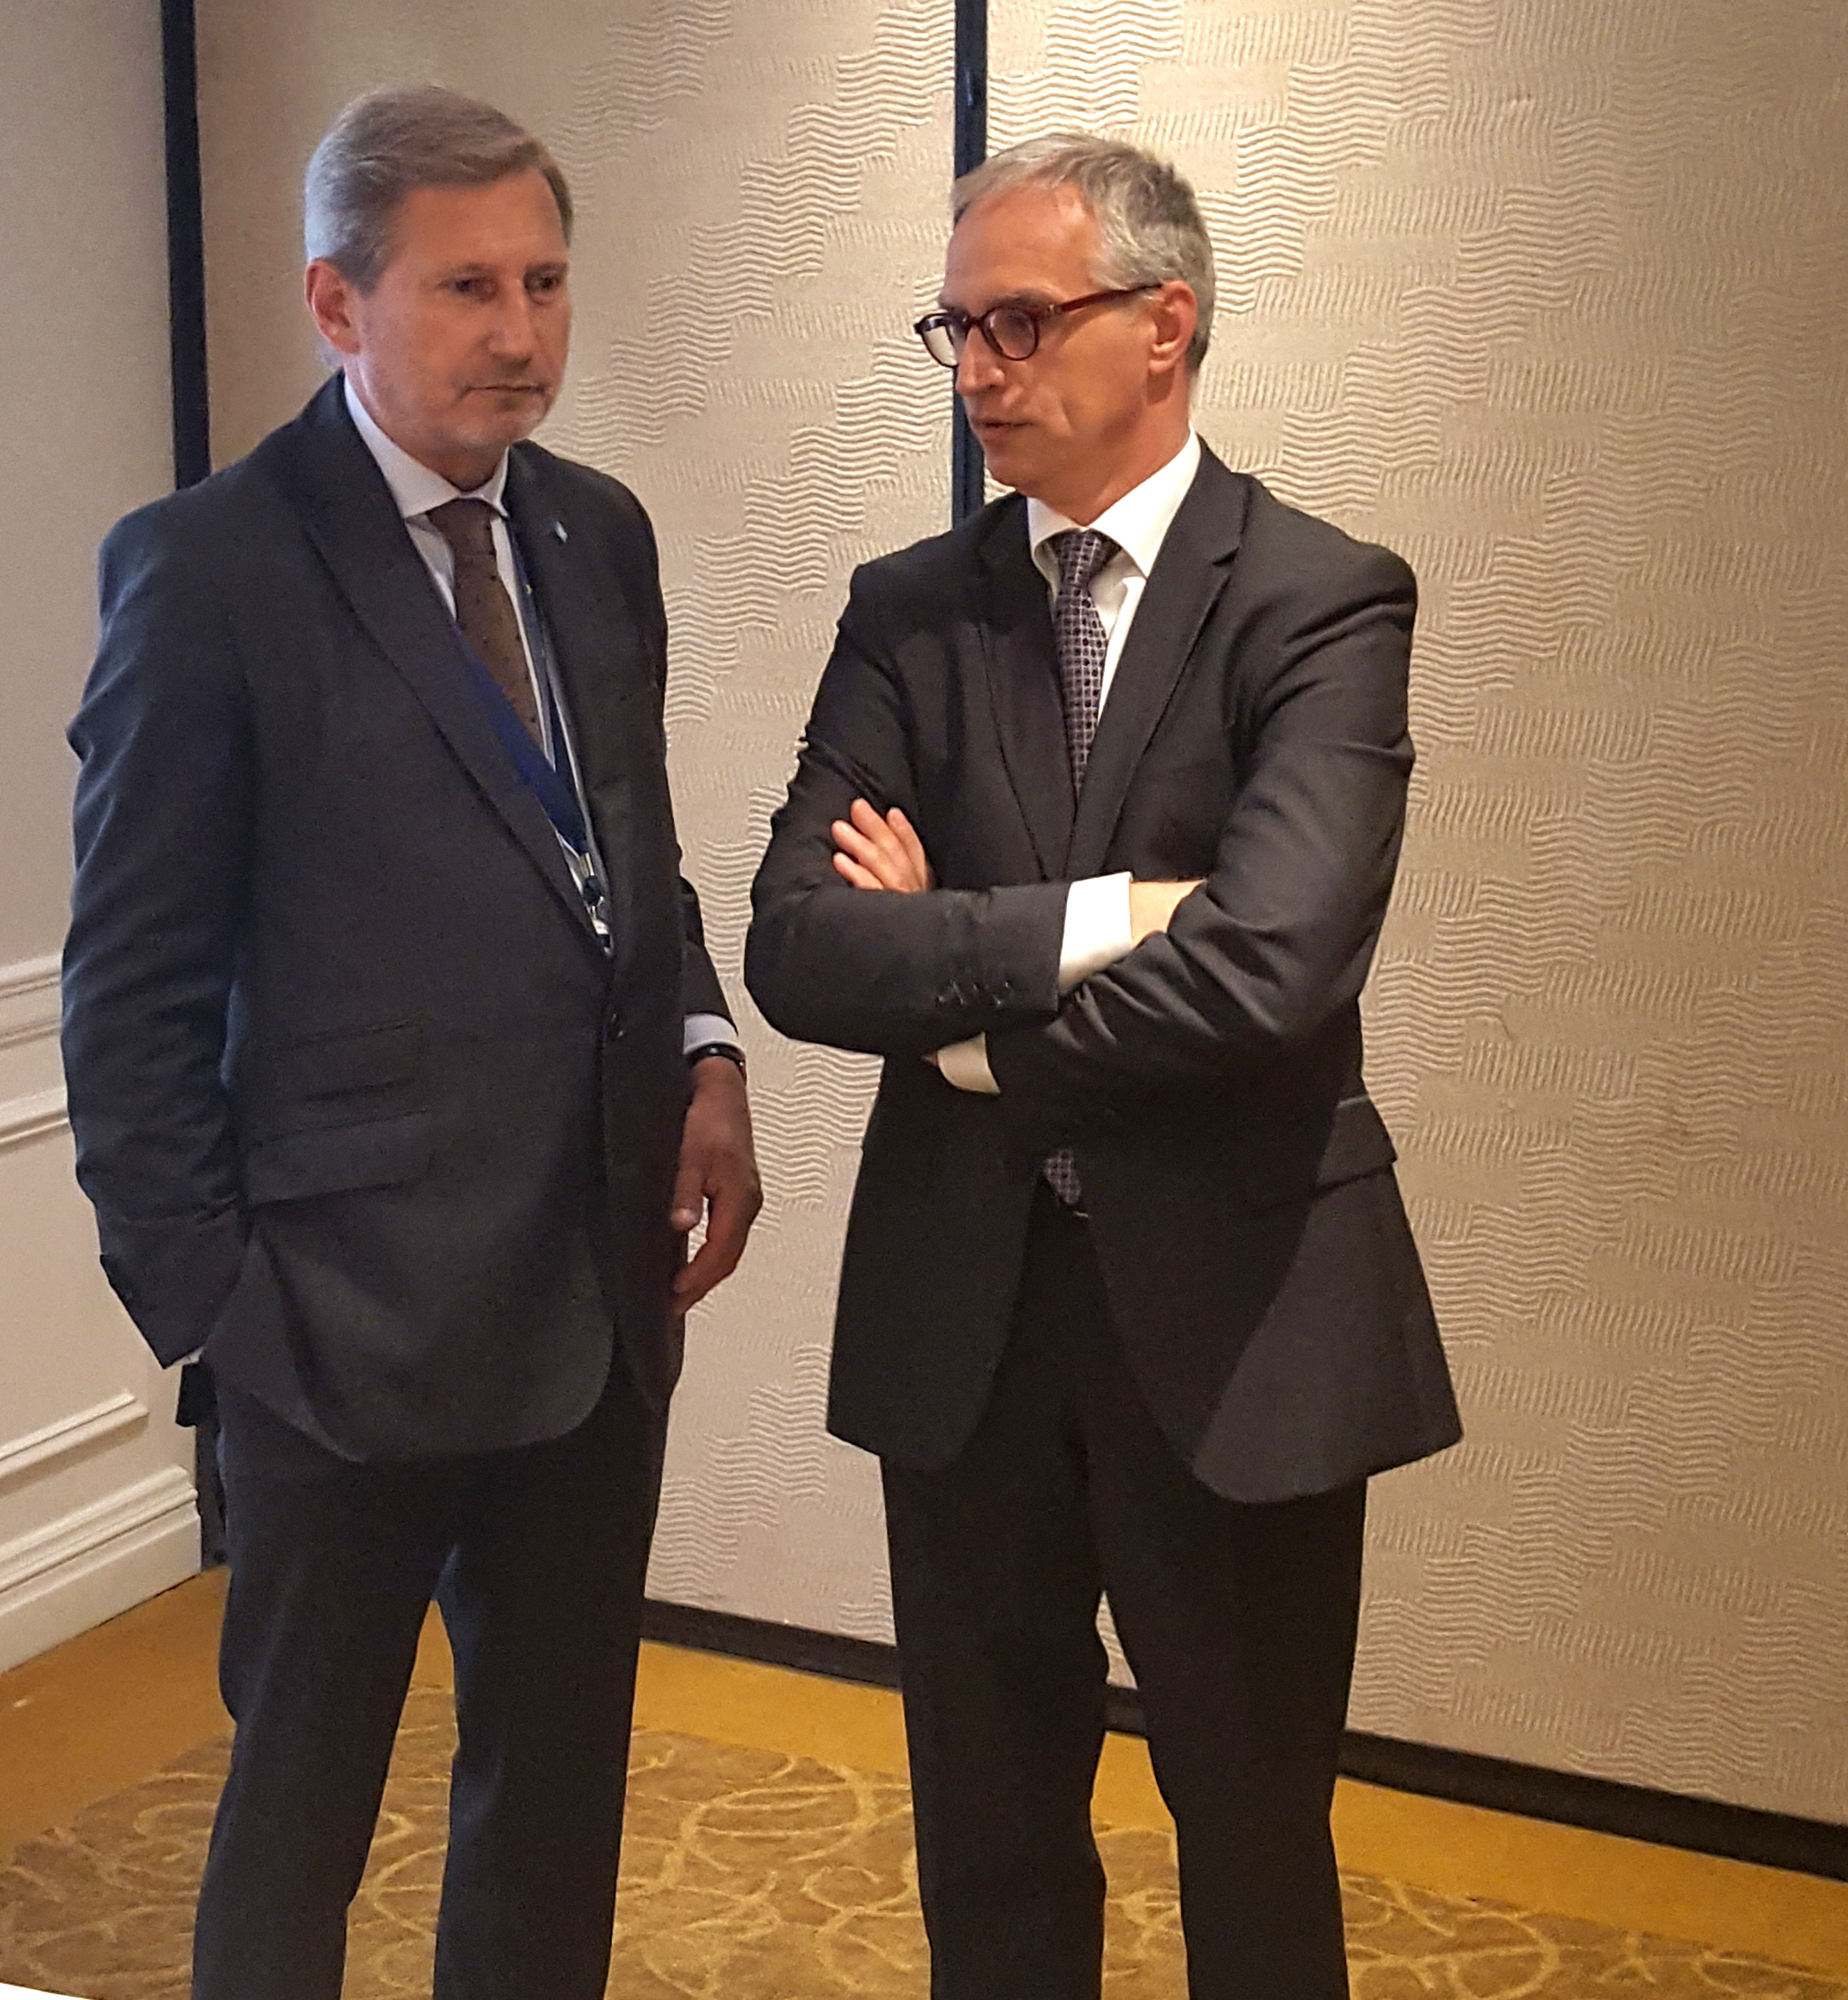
(730, 1050)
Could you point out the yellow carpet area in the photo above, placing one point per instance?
(756, 1874)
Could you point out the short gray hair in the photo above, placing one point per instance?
(390, 141)
(1148, 223)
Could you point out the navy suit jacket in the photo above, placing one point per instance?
(1245, 1216)
(361, 1104)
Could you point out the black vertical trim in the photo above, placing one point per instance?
(186, 245)
(971, 150)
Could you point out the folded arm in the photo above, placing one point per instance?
(893, 974)
(1282, 931)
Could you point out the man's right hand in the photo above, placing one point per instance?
(873, 852)
(1152, 904)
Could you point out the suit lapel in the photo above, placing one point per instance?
(347, 510)
(597, 650)
(1013, 613)
(1189, 575)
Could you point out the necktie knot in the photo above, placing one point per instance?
(467, 526)
(1081, 553)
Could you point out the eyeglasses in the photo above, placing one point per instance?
(1012, 331)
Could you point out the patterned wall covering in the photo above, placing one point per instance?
(761, 195)
(1547, 295)
(779, 211)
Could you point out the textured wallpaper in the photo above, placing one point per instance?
(1547, 297)
(772, 202)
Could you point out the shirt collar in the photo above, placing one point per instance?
(414, 486)
(1138, 523)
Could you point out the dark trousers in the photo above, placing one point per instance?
(538, 1556)
(1238, 1622)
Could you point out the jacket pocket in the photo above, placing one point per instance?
(338, 1159)
(1300, 1161)
(356, 1059)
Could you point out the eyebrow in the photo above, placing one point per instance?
(1032, 296)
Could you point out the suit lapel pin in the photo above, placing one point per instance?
(558, 530)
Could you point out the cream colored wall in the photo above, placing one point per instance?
(1542, 296)
(1547, 297)
(96, 1507)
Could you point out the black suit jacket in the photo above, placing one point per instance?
(1238, 1178)
(361, 1103)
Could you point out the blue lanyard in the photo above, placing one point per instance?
(558, 796)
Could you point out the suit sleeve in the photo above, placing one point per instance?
(891, 974)
(1282, 931)
(162, 825)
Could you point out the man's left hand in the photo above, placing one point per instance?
(873, 852)
(717, 1178)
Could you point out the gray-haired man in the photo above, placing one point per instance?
(1091, 838)
(398, 1067)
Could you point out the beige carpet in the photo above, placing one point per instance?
(749, 1875)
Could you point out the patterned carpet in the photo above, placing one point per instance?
(752, 1876)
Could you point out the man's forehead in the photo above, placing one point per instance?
(517, 214)
(1025, 244)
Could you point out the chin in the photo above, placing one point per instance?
(517, 423)
(1008, 465)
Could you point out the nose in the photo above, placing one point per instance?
(511, 331)
(979, 367)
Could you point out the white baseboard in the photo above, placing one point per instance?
(91, 1565)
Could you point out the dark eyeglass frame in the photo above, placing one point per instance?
(959, 325)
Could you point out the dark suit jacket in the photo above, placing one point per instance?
(1238, 1178)
(360, 1102)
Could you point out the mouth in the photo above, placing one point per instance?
(507, 389)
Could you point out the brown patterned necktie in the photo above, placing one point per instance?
(484, 611)
(1078, 635)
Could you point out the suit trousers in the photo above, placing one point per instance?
(1238, 1621)
(538, 1556)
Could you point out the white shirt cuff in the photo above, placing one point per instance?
(703, 1028)
(966, 1065)
(1097, 928)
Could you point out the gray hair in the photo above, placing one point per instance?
(1149, 229)
(390, 141)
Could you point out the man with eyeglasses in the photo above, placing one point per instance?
(1091, 838)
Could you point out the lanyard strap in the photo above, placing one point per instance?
(558, 796)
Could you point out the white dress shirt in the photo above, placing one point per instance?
(1097, 923)
(417, 490)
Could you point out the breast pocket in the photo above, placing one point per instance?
(1177, 811)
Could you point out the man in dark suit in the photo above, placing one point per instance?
(398, 1069)
(1091, 838)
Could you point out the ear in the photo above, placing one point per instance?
(1174, 313)
(330, 299)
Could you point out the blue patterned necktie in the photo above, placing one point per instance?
(1077, 634)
